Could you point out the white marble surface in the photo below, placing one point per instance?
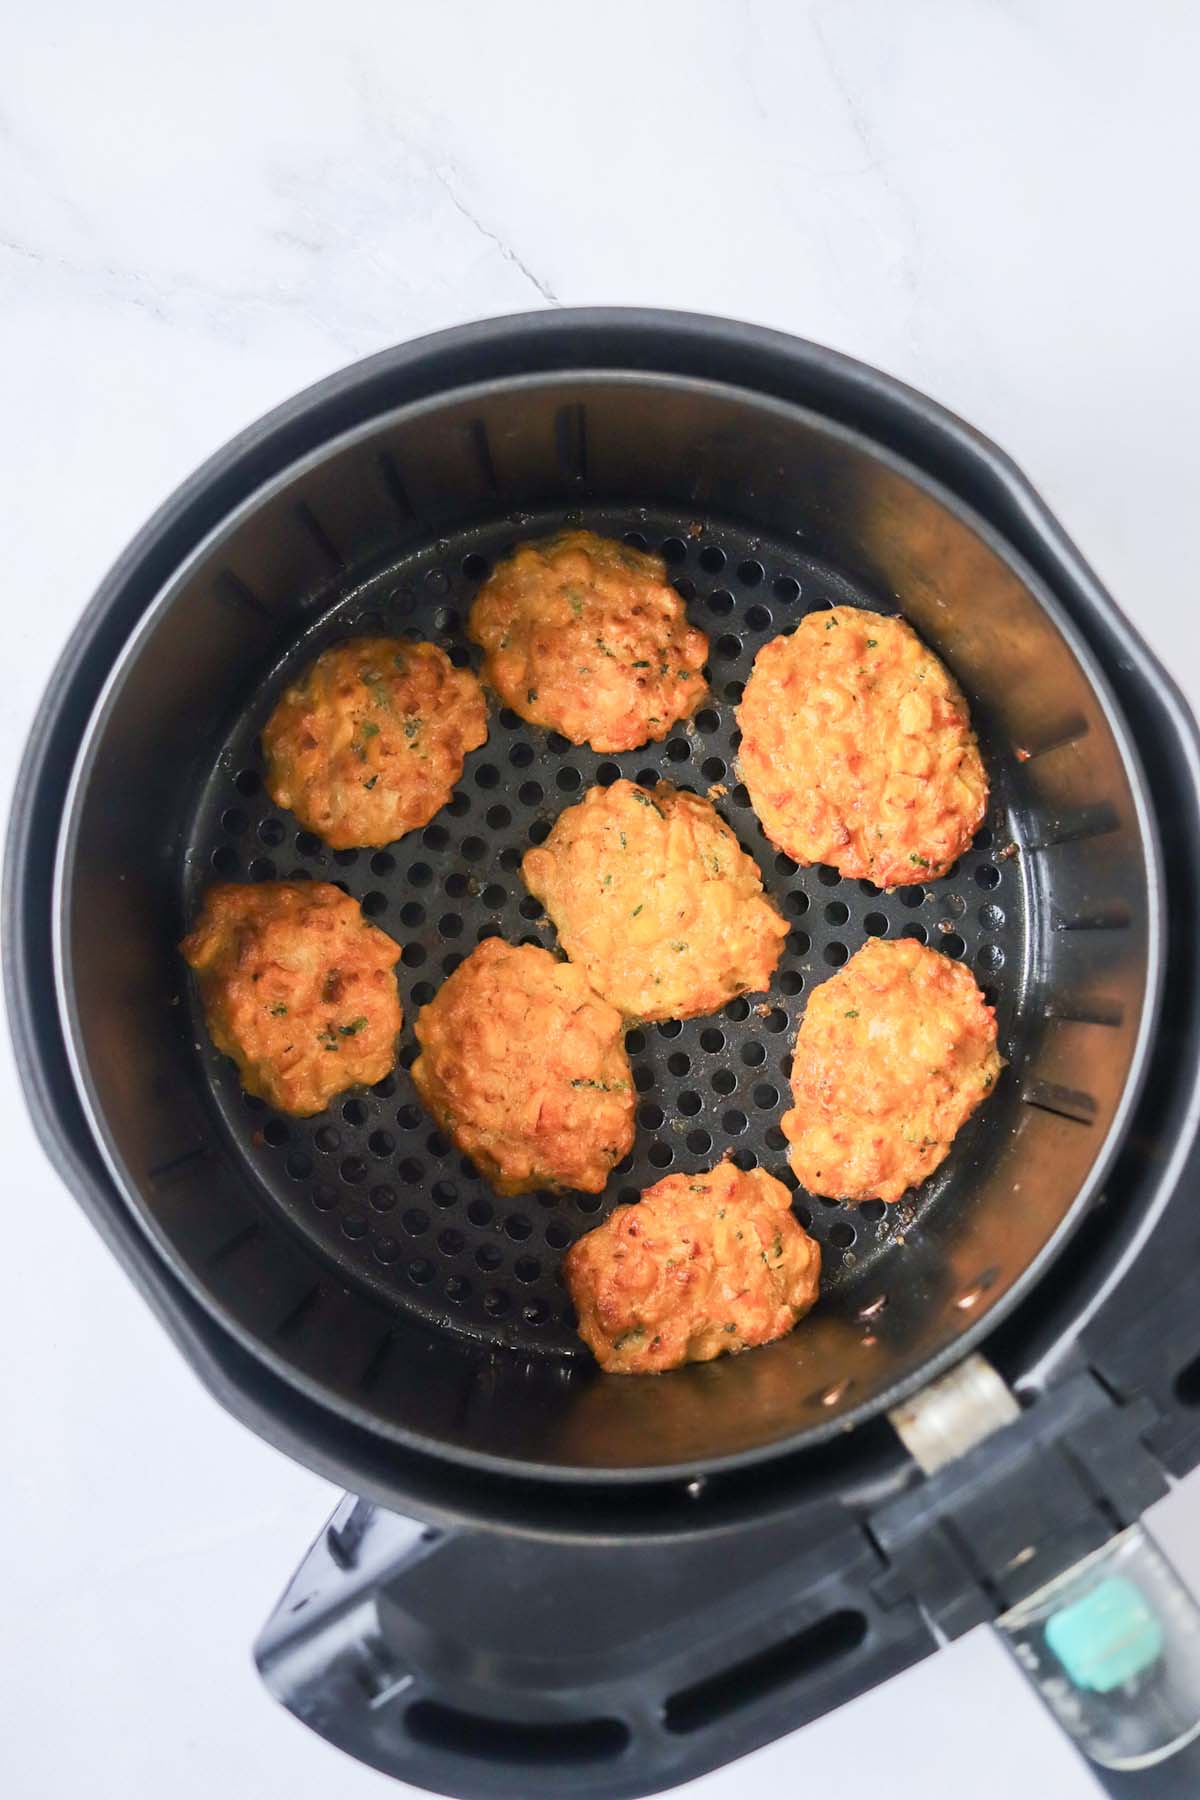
(203, 209)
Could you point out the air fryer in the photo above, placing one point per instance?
(636, 1579)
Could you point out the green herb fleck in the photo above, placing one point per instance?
(367, 730)
(603, 1087)
(621, 835)
(679, 944)
(370, 783)
(637, 910)
(328, 1038)
(852, 1014)
(830, 623)
(574, 598)
(634, 1335)
(604, 649)
(400, 660)
(278, 1011)
(871, 643)
(607, 882)
(354, 1026)
(412, 727)
(639, 665)
(921, 861)
(730, 1329)
(648, 800)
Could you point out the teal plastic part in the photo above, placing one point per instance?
(1107, 1638)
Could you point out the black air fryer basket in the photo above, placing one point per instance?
(352, 1288)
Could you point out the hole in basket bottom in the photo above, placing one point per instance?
(717, 1696)
(511, 1740)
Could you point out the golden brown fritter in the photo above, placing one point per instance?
(587, 637)
(704, 1264)
(370, 740)
(656, 901)
(894, 1054)
(527, 1071)
(857, 749)
(298, 988)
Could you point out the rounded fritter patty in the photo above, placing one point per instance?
(857, 749)
(656, 901)
(526, 1069)
(370, 741)
(704, 1264)
(587, 637)
(894, 1054)
(298, 988)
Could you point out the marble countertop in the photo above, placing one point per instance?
(202, 210)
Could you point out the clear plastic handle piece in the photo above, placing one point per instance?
(1113, 1648)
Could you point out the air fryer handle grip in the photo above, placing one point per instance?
(489, 1664)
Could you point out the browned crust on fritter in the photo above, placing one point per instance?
(587, 637)
(704, 1265)
(893, 1055)
(857, 749)
(655, 900)
(526, 1069)
(298, 988)
(370, 740)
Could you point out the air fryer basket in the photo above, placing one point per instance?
(356, 1254)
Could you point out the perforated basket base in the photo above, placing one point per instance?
(371, 1181)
